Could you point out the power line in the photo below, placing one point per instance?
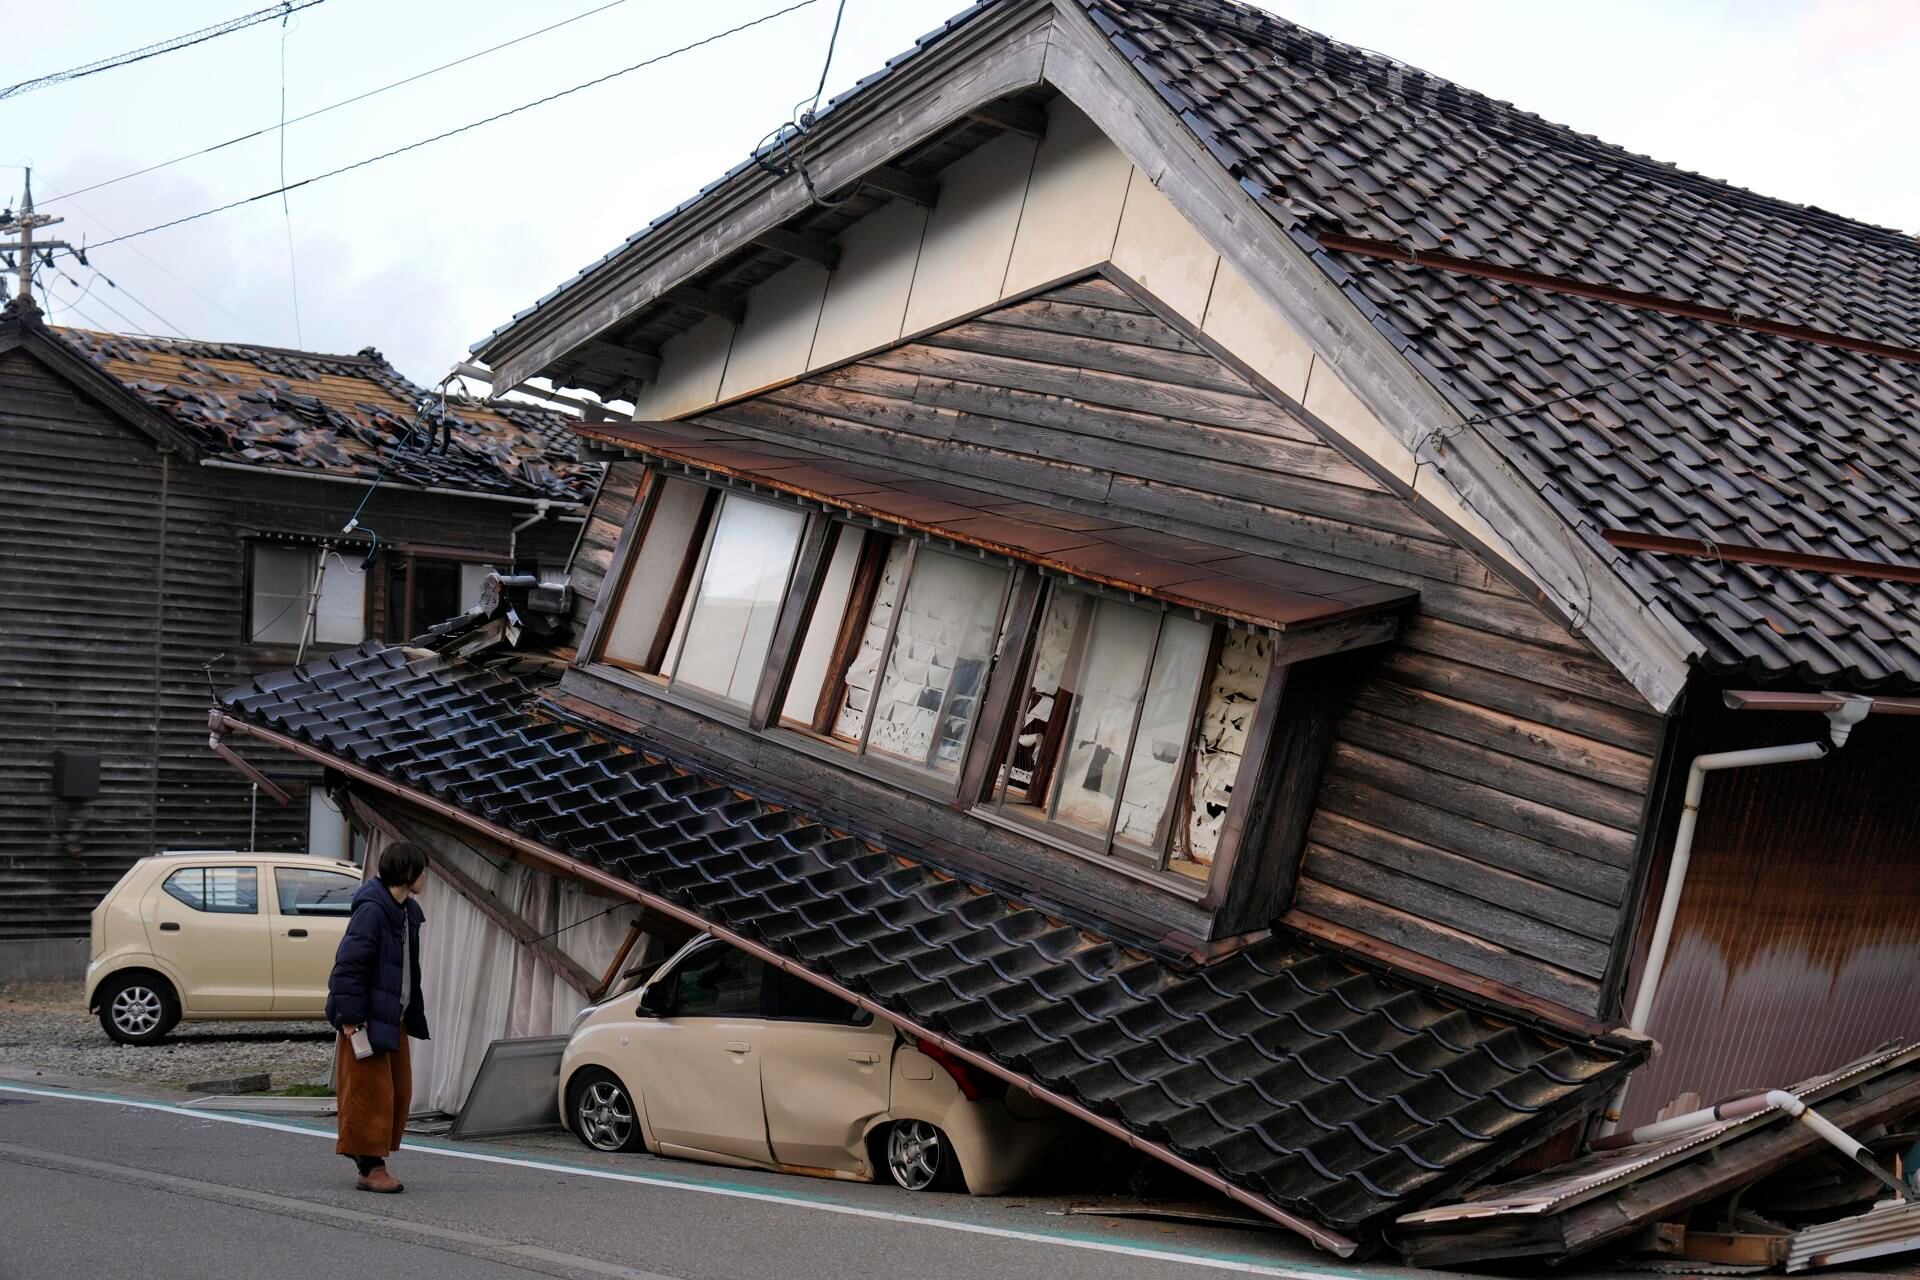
(283, 9)
(438, 137)
(286, 210)
(162, 267)
(119, 288)
(346, 102)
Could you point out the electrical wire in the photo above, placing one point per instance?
(465, 128)
(285, 8)
(344, 102)
(165, 270)
(799, 127)
(115, 285)
(286, 210)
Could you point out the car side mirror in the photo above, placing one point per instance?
(657, 1000)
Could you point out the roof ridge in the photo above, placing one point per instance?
(1321, 49)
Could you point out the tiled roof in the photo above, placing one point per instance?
(1625, 418)
(1264, 590)
(1335, 1092)
(337, 415)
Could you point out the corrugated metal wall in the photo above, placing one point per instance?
(1798, 938)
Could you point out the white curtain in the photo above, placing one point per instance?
(481, 985)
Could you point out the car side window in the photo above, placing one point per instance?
(803, 1002)
(314, 893)
(218, 890)
(717, 981)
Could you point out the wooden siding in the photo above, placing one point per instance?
(123, 569)
(1484, 785)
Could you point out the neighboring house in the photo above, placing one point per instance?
(169, 508)
(1193, 571)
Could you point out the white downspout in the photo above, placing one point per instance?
(1843, 718)
(513, 535)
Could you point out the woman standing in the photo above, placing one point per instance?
(375, 988)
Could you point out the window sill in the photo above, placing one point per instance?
(905, 779)
(736, 717)
(1169, 882)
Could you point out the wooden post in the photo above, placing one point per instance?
(619, 959)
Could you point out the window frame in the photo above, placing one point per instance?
(992, 803)
(923, 780)
(204, 905)
(311, 548)
(401, 564)
(1027, 594)
(280, 909)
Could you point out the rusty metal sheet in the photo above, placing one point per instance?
(1179, 570)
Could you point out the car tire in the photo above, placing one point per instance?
(138, 1008)
(917, 1156)
(601, 1112)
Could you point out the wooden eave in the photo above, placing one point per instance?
(897, 122)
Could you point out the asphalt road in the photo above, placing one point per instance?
(106, 1188)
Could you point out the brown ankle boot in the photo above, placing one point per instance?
(379, 1181)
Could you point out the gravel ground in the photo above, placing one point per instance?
(47, 1029)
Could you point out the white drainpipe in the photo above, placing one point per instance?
(513, 536)
(1843, 718)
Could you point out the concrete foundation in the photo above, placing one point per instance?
(42, 960)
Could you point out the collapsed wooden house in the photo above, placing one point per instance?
(173, 518)
(1191, 564)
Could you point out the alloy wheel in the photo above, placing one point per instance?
(913, 1154)
(606, 1116)
(136, 1010)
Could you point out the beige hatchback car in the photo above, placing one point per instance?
(723, 1059)
(217, 936)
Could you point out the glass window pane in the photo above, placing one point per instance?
(232, 890)
(1226, 713)
(341, 617)
(188, 885)
(810, 674)
(313, 893)
(281, 579)
(1160, 743)
(717, 981)
(935, 670)
(731, 620)
(1112, 680)
(472, 578)
(864, 669)
(672, 534)
(1047, 703)
(805, 1002)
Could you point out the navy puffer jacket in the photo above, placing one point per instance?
(364, 989)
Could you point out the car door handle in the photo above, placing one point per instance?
(857, 1055)
(296, 933)
(739, 1046)
(169, 927)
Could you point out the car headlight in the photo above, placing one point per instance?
(580, 1018)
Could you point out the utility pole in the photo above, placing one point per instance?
(23, 226)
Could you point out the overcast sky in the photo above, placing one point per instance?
(422, 254)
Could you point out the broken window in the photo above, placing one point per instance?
(283, 581)
(1126, 736)
(895, 656)
(705, 590)
(425, 589)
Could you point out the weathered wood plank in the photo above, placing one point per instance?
(1176, 368)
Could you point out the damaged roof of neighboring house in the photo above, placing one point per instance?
(310, 413)
(1662, 355)
(1330, 1094)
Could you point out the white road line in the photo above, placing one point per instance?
(1219, 1263)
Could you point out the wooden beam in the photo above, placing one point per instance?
(1013, 117)
(619, 958)
(807, 246)
(488, 903)
(1336, 637)
(610, 357)
(901, 185)
(809, 568)
(712, 302)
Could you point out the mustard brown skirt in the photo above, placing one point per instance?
(372, 1097)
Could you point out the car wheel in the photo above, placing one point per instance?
(138, 1008)
(919, 1157)
(602, 1113)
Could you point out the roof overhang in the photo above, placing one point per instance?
(95, 383)
(1260, 591)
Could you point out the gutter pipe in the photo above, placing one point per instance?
(286, 473)
(1753, 1105)
(540, 509)
(1849, 712)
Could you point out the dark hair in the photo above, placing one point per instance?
(402, 863)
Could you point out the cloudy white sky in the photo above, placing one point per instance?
(424, 253)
